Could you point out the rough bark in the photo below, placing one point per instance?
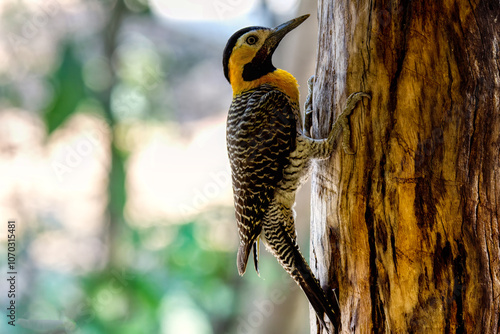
(407, 230)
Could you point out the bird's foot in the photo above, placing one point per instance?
(343, 120)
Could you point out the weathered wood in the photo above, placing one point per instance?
(407, 230)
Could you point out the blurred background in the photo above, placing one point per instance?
(114, 167)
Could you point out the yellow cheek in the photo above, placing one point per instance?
(240, 56)
(243, 55)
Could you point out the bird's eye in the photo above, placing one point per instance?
(252, 40)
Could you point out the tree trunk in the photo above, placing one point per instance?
(406, 231)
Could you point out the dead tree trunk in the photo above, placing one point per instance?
(407, 230)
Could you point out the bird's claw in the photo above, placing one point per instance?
(343, 120)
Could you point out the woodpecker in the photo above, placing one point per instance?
(271, 155)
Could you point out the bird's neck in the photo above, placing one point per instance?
(283, 81)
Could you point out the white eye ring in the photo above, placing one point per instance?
(251, 40)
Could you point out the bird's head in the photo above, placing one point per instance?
(248, 53)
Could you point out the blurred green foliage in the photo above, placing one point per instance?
(69, 90)
(185, 278)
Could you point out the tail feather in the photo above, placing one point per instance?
(313, 291)
(242, 258)
(256, 249)
(244, 254)
(287, 252)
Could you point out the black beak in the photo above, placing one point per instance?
(261, 63)
(279, 32)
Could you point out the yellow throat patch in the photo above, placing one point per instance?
(283, 81)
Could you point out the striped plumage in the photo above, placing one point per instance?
(261, 134)
(270, 155)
